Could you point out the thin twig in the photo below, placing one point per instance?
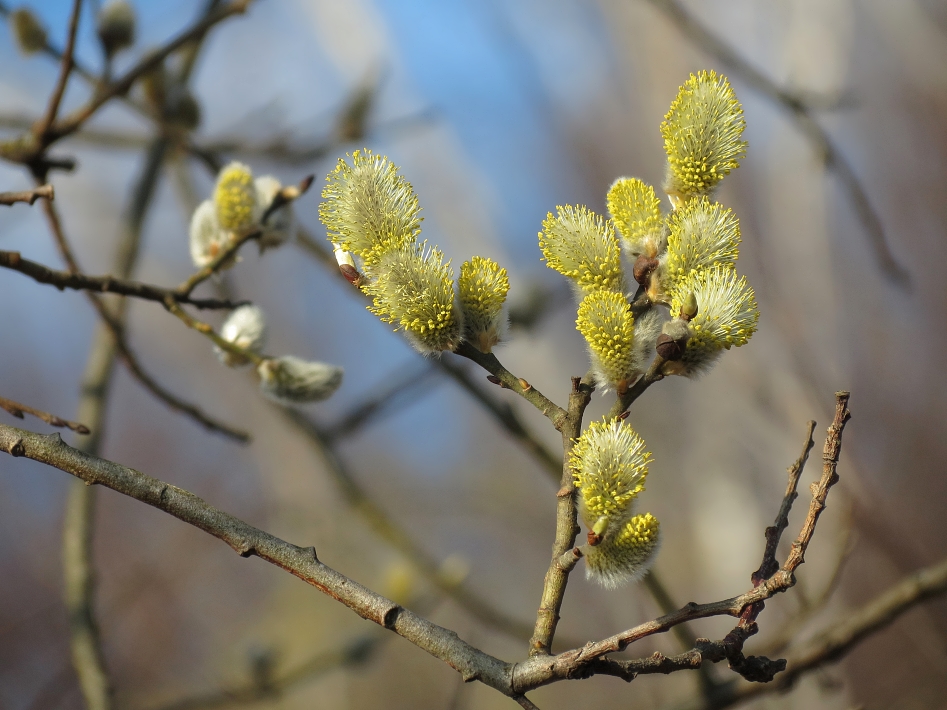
(78, 281)
(41, 129)
(839, 638)
(17, 410)
(506, 379)
(30, 196)
(802, 114)
(74, 121)
(379, 401)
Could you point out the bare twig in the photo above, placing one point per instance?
(488, 361)
(42, 126)
(103, 284)
(71, 123)
(18, 410)
(29, 196)
(840, 638)
(769, 565)
(382, 400)
(802, 114)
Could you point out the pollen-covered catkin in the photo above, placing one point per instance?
(413, 289)
(481, 290)
(235, 199)
(636, 212)
(606, 322)
(369, 209)
(702, 234)
(581, 245)
(702, 136)
(626, 555)
(292, 380)
(609, 465)
(727, 316)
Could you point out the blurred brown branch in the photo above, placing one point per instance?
(802, 114)
(103, 284)
(18, 410)
(29, 196)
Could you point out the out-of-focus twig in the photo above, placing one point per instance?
(78, 281)
(18, 410)
(41, 129)
(396, 536)
(802, 114)
(28, 196)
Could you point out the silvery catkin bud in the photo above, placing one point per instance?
(245, 328)
(205, 236)
(116, 26)
(280, 225)
(292, 380)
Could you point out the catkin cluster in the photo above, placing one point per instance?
(609, 465)
(241, 206)
(679, 306)
(373, 219)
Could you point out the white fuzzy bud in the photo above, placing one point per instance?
(245, 328)
(292, 380)
(206, 237)
(280, 226)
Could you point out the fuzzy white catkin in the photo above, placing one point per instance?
(245, 328)
(205, 234)
(292, 380)
(281, 224)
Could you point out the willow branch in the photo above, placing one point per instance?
(29, 196)
(625, 400)
(18, 410)
(247, 541)
(71, 123)
(840, 638)
(802, 115)
(567, 526)
(506, 379)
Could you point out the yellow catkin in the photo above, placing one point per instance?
(481, 290)
(702, 136)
